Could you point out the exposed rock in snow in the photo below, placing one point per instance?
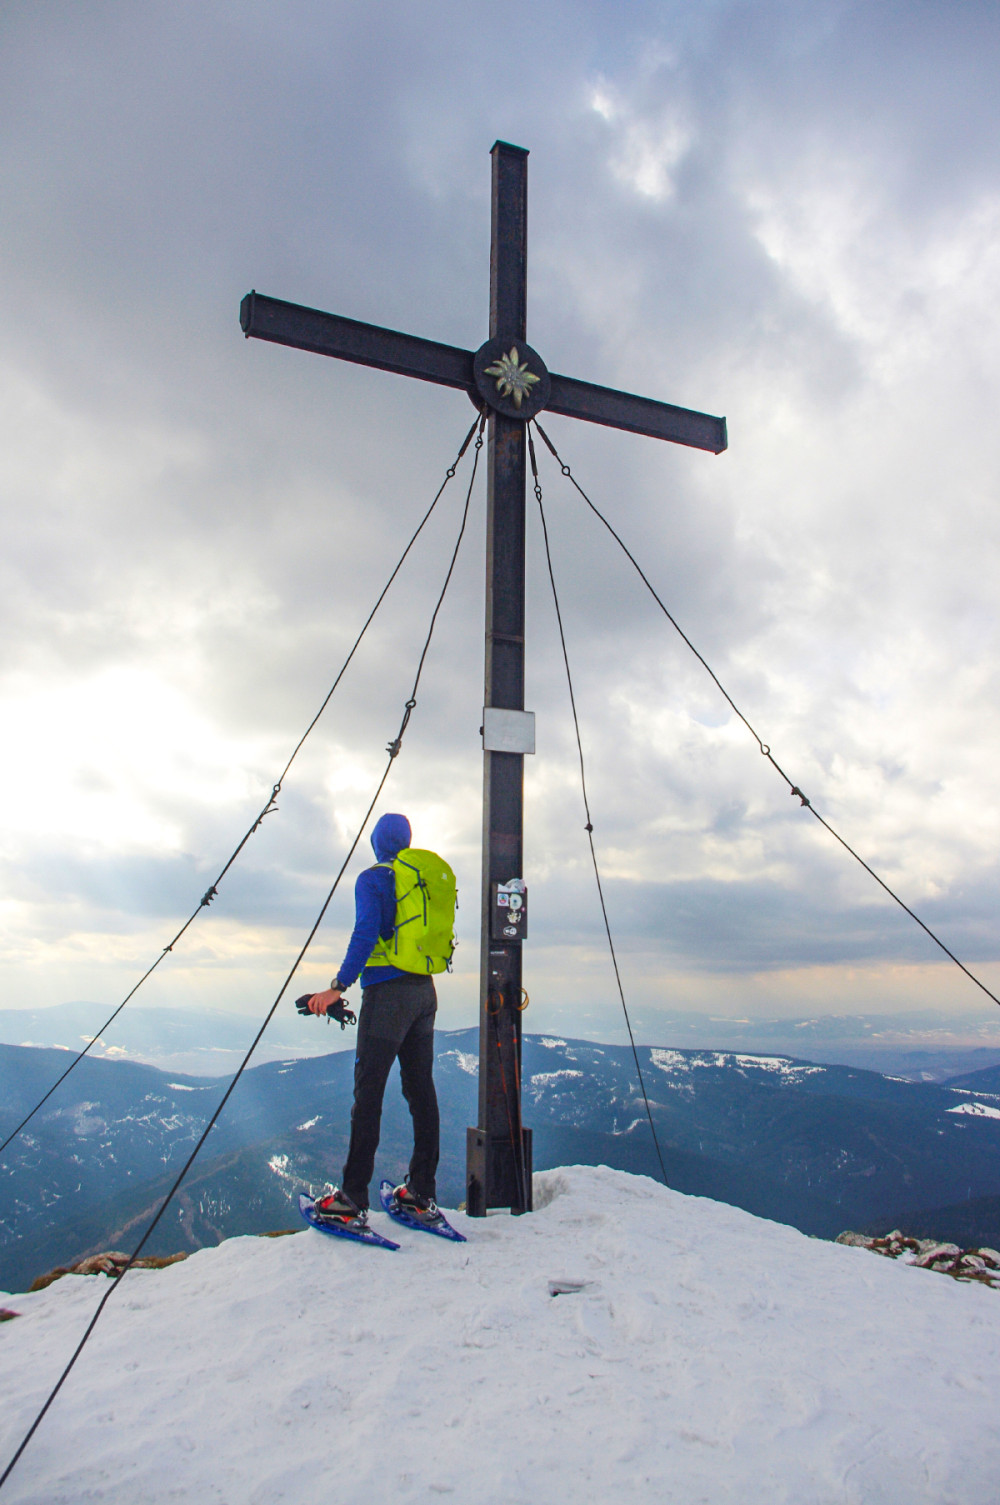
(962, 1264)
(623, 1342)
(111, 1263)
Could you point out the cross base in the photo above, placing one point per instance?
(493, 1176)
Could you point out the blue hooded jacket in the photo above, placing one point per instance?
(375, 905)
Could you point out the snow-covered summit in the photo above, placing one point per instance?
(623, 1341)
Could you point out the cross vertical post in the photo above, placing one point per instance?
(499, 1149)
(510, 380)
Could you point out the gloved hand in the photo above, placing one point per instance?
(338, 1010)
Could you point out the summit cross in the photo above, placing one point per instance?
(508, 379)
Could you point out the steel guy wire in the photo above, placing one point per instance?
(393, 751)
(268, 809)
(764, 748)
(586, 805)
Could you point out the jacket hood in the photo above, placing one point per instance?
(391, 835)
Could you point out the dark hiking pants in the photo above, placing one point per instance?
(397, 1019)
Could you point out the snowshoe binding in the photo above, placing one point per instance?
(337, 1214)
(404, 1206)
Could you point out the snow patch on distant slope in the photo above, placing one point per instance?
(977, 1110)
(669, 1060)
(85, 1122)
(543, 1079)
(792, 1071)
(783, 1066)
(464, 1060)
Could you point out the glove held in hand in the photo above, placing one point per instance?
(337, 1011)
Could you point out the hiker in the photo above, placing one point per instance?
(398, 942)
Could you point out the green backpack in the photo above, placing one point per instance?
(423, 937)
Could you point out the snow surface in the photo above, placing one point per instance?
(692, 1353)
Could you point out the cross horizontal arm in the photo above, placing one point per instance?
(639, 415)
(263, 318)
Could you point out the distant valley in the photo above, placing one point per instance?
(822, 1147)
(924, 1046)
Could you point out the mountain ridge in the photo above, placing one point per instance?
(823, 1148)
(923, 1045)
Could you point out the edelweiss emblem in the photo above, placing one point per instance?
(513, 380)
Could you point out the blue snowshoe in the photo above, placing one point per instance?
(416, 1212)
(356, 1228)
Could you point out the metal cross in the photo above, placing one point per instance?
(509, 379)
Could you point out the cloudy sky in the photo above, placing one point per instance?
(786, 213)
